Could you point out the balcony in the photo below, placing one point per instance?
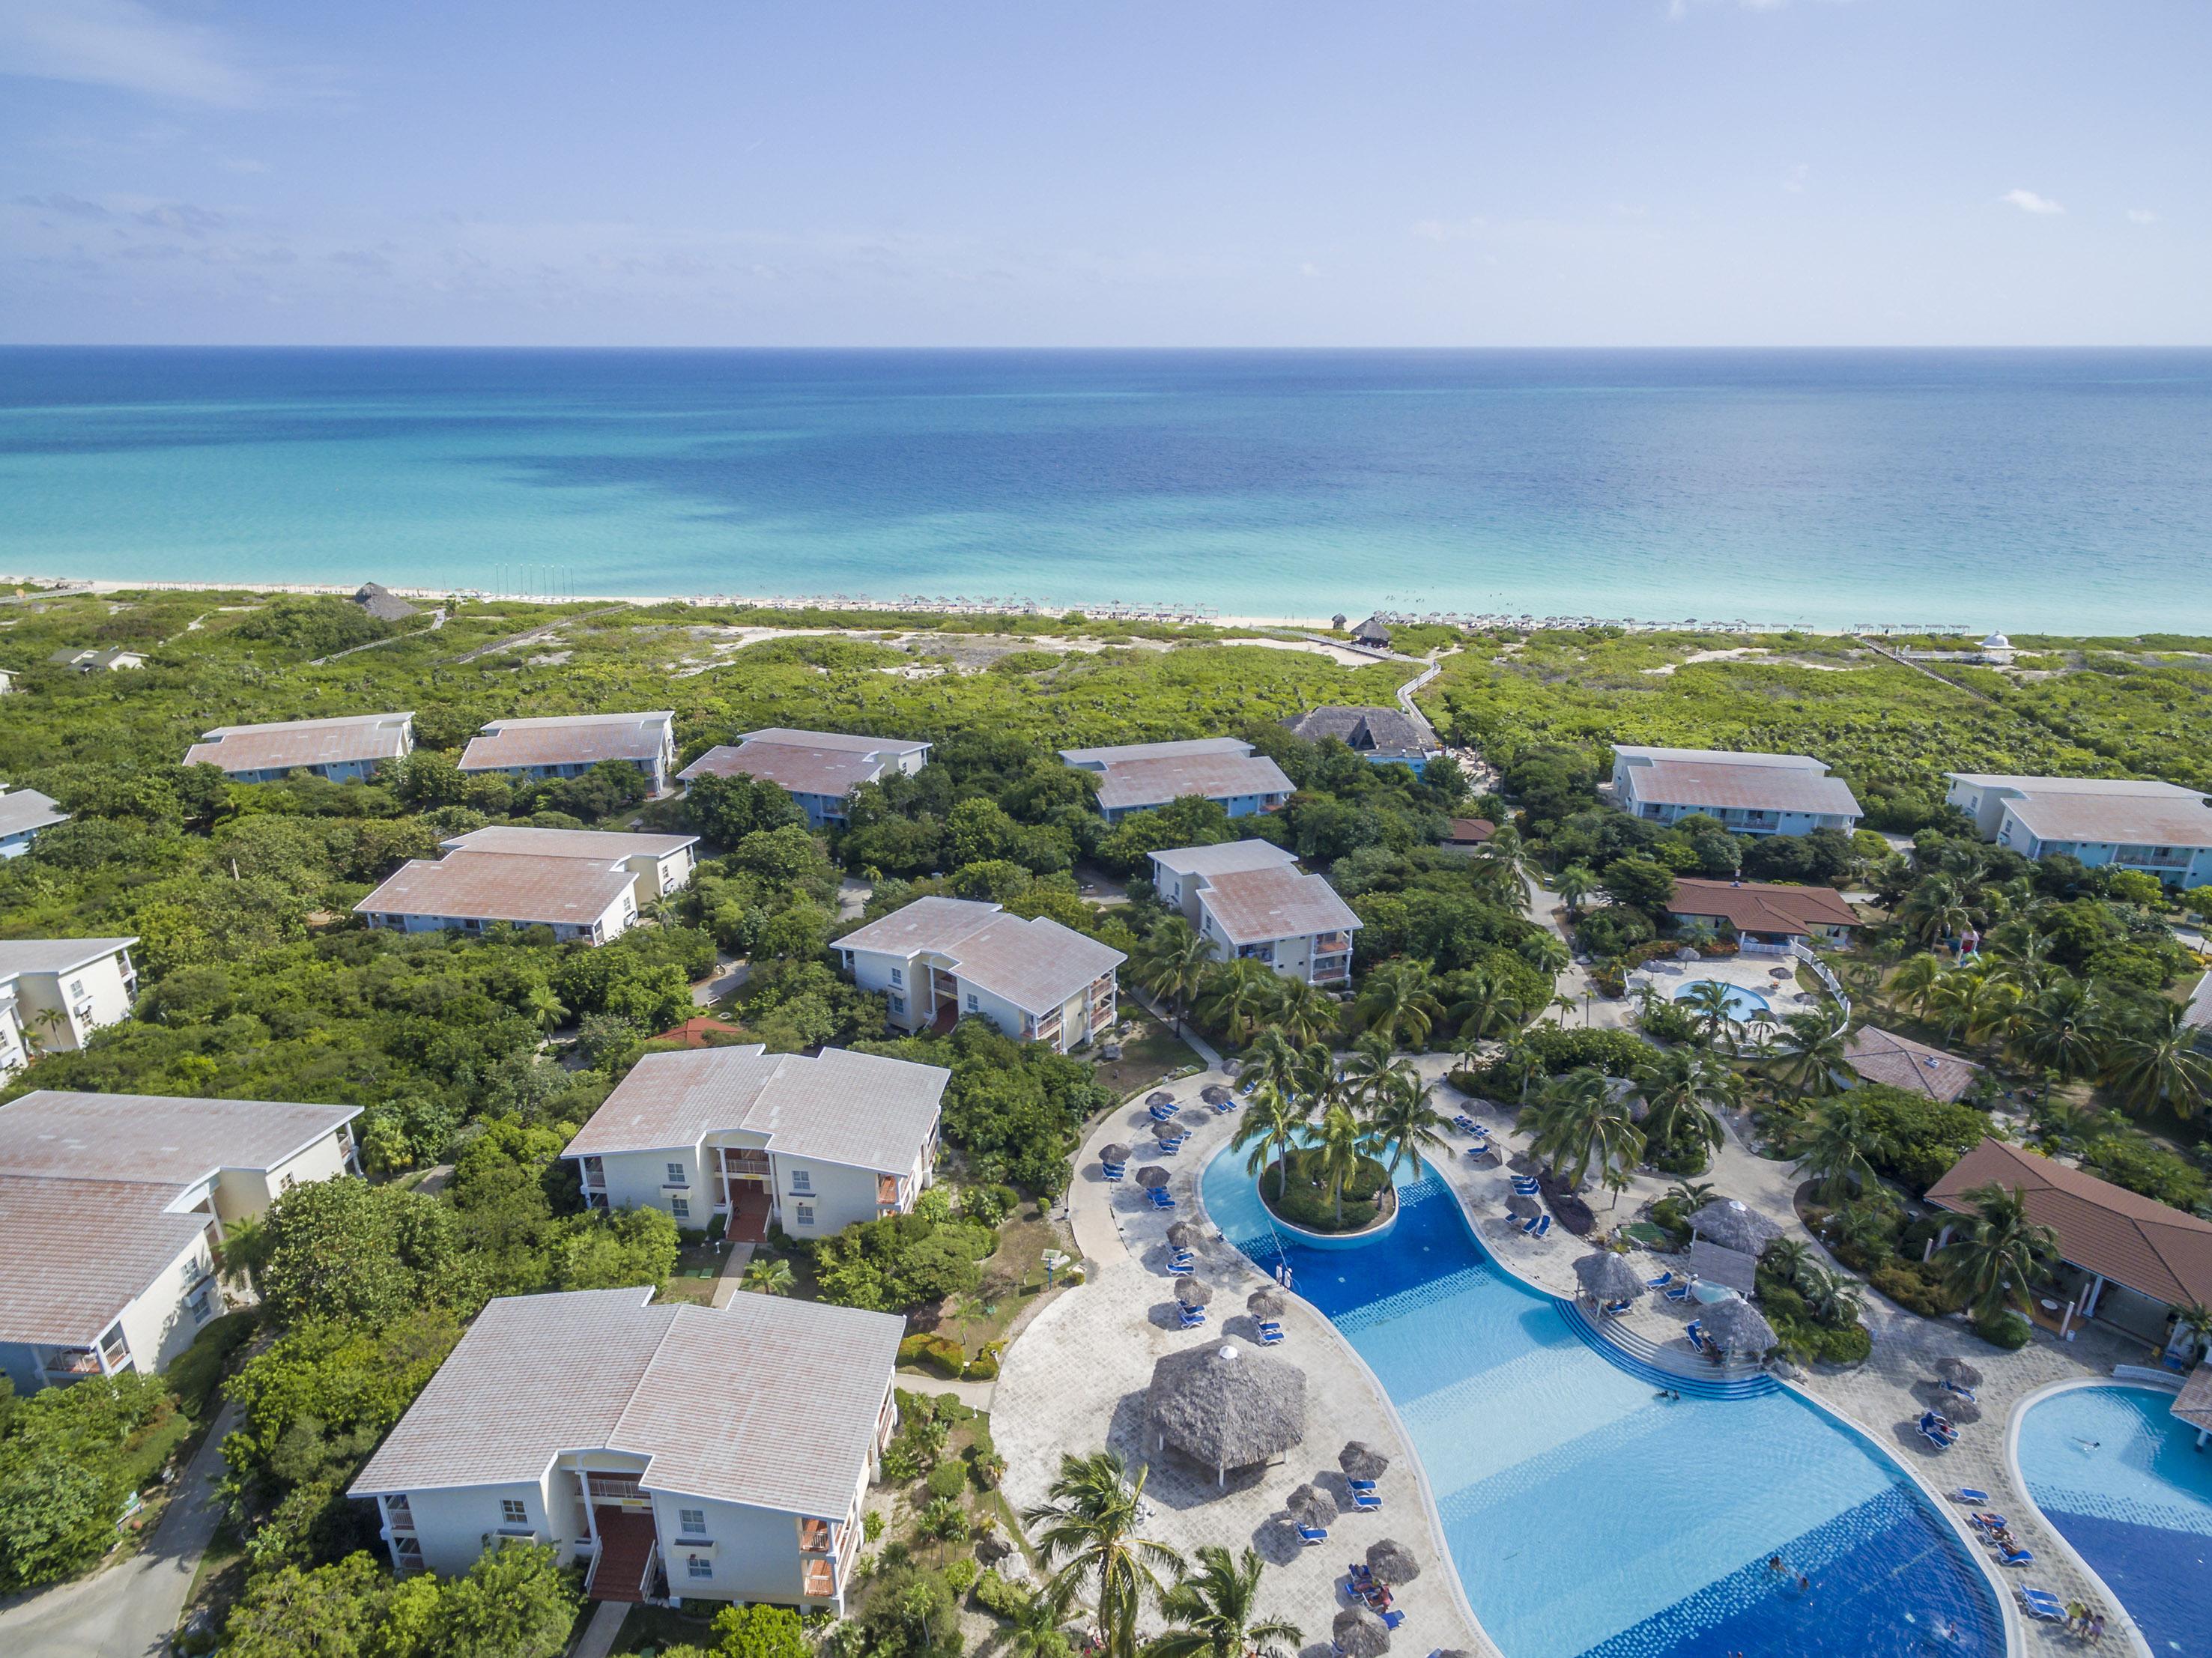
(398, 1514)
(72, 1362)
(1331, 969)
(891, 1192)
(818, 1581)
(749, 1164)
(815, 1536)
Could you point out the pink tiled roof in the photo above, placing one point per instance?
(1751, 788)
(80, 1251)
(501, 886)
(1133, 783)
(290, 743)
(1256, 906)
(581, 739)
(833, 772)
(1762, 907)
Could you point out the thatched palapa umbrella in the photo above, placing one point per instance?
(1265, 1303)
(1359, 1633)
(1310, 1505)
(1113, 1154)
(1523, 1208)
(1151, 1175)
(1214, 1094)
(1959, 1371)
(1183, 1233)
(1964, 1411)
(1194, 1291)
(1226, 1406)
(1392, 1561)
(1607, 1277)
(1164, 1132)
(1361, 1460)
(1738, 1327)
(1731, 1222)
(1158, 1097)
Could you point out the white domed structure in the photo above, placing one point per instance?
(1996, 648)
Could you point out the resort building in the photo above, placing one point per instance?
(23, 813)
(2160, 829)
(1747, 793)
(2126, 1260)
(1251, 901)
(583, 901)
(2198, 1016)
(91, 661)
(570, 744)
(1768, 917)
(342, 749)
(939, 960)
(659, 864)
(678, 1452)
(1464, 835)
(113, 1206)
(761, 1138)
(1882, 1056)
(1385, 736)
(1138, 776)
(55, 993)
(817, 769)
(1372, 634)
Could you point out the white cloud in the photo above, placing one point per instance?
(2142, 216)
(123, 44)
(2028, 201)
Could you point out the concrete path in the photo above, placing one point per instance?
(727, 979)
(128, 1611)
(598, 1639)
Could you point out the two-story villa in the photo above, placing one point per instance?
(23, 814)
(342, 749)
(1251, 901)
(112, 1205)
(583, 901)
(1139, 776)
(570, 744)
(1747, 793)
(938, 959)
(679, 1452)
(55, 993)
(2160, 829)
(810, 1145)
(817, 769)
(659, 864)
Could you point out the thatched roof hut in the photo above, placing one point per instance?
(1226, 1406)
(1116, 1153)
(1955, 1370)
(1158, 1097)
(1359, 1633)
(1361, 1460)
(1310, 1505)
(1731, 1222)
(1606, 1277)
(1737, 1327)
(1151, 1175)
(1214, 1094)
(1392, 1561)
(1185, 1233)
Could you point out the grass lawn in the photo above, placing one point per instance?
(651, 1629)
(1151, 1052)
(697, 1267)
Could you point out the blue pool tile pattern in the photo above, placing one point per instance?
(2120, 1477)
(1588, 1514)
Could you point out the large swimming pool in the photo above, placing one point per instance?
(1586, 1514)
(2115, 1471)
(1744, 1004)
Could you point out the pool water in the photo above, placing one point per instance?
(1587, 1515)
(1742, 1002)
(2119, 1475)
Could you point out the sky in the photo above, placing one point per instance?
(1109, 173)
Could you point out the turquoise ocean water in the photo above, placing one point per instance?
(2056, 491)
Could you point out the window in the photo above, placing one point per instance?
(698, 1565)
(676, 1176)
(409, 1548)
(898, 1004)
(202, 1304)
(898, 975)
(692, 1523)
(76, 988)
(802, 1180)
(680, 1208)
(512, 1513)
(805, 1214)
(974, 1006)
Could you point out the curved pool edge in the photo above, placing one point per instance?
(1374, 1232)
(2138, 1643)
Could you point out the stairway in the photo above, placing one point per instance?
(1640, 1357)
(626, 1543)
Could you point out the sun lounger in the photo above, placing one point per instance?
(1937, 1440)
(1362, 1576)
(2016, 1557)
(1966, 1394)
(1614, 1308)
(1526, 1187)
(1180, 1269)
(1310, 1535)
(1361, 1484)
(1271, 1338)
(1366, 1501)
(1972, 1497)
(1680, 1292)
(1529, 1226)
(1274, 1324)
(1113, 1172)
(1161, 1113)
(1543, 1225)
(2040, 1603)
(1695, 1330)
(1392, 1619)
(1468, 1123)
(1989, 1521)
(1662, 1282)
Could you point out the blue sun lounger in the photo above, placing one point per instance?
(1678, 1292)
(2016, 1557)
(1271, 1336)
(2041, 1603)
(1392, 1619)
(1310, 1535)
(1161, 1113)
(1660, 1283)
(1543, 1225)
(1180, 1269)
(1523, 1183)
(1529, 1226)
(1972, 1497)
(1360, 1485)
(1966, 1394)
(1695, 1332)
(1368, 1502)
(1193, 1317)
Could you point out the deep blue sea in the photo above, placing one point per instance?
(2064, 491)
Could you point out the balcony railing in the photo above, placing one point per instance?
(73, 1361)
(819, 1580)
(398, 1514)
(814, 1536)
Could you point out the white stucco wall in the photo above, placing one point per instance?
(453, 1525)
(103, 986)
(158, 1326)
(838, 1195)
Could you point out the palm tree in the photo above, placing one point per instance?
(1805, 1055)
(1866, 1224)
(1271, 1061)
(1787, 1258)
(1172, 964)
(1088, 1529)
(1404, 1124)
(1934, 909)
(1234, 995)
(1302, 1010)
(1272, 1125)
(1216, 1613)
(245, 1251)
(1576, 883)
(1399, 1000)
(1833, 1298)
(1033, 1626)
(2065, 1030)
(1690, 1195)
(1580, 1122)
(769, 1276)
(1341, 1144)
(1486, 1007)
(1370, 1064)
(2153, 1061)
(1909, 985)
(1990, 1264)
(1832, 1146)
(1680, 1088)
(1712, 1007)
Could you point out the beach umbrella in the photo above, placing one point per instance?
(1159, 1096)
(1227, 1406)
(1183, 1233)
(1392, 1561)
(1523, 1208)
(1264, 1303)
(1736, 1327)
(1310, 1505)
(1361, 1460)
(1686, 954)
(1359, 1633)
(1962, 1410)
(1115, 1154)
(1164, 1132)
(1607, 1277)
(1151, 1175)
(1214, 1094)
(1194, 1291)
(1958, 1370)
(1731, 1222)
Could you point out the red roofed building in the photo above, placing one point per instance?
(1765, 912)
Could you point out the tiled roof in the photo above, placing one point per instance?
(173, 1140)
(2132, 786)
(1724, 757)
(768, 1402)
(1470, 831)
(55, 955)
(1210, 776)
(2199, 1011)
(1255, 906)
(1762, 907)
(2177, 817)
(289, 744)
(1371, 730)
(859, 1109)
(501, 886)
(593, 845)
(1753, 787)
(1882, 1056)
(570, 739)
(2193, 1404)
(80, 1251)
(833, 772)
(698, 1032)
(1121, 753)
(27, 809)
(852, 742)
(1034, 964)
(2153, 1249)
(1224, 859)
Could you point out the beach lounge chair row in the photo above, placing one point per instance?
(2043, 1604)
(1937, 1431)
(1159, 1197)
(1161, 1112)
(1536, 1226)
(1527, 1186)
(1193, 1317)
(1271, 1332)
(1113, 1171)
